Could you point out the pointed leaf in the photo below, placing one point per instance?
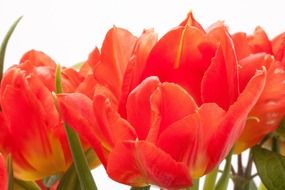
(270, 167)
(80, 162)
(69, 181)
(5, 43)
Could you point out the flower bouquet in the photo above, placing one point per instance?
(154, 112)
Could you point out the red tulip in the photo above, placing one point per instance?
(164, 133)
(255, 52)
(31, 128)
(3, 174)
(189, 56)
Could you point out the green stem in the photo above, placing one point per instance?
(275, 145)
(248, 170)
(240, 165)
(210, 180)
(141, 188)
(10, 172)
(195, 185)
(5, 43)
(80, 162)
(224, 179)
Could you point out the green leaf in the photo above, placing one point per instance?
(70, 180)
(252, 185)
(5, 43)
(270, 167)
(25, 185)
(58, 86)
(80, 162)
(261, 187)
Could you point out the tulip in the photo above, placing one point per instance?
(3, 174)
(254, 52)
(31, 128)
(189, 56)
(171, 117)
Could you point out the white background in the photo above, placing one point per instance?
(68, 30)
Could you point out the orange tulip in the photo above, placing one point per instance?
(191, 57)
(31, 128)
(254, 52)
(3, 174)
(164, 133)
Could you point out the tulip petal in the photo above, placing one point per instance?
(77, 111)
(268, 111)
(259, 42)
(37, 58)
(138, 106)
(181, 56)
(191, 21)
(136, 65)
(157, 106)
(278, 47)
(32, 102)
(19, 94)
(70, 79)
(94, 58)
(241, 45)
(250, 64)
(169, 103)
(200, 133)
(41, 65)
(193, 132)
(222, 88)
(143, 163)
(233, 123)
(112, 126)
(87, 86)
(139, 57)
(115, 54)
